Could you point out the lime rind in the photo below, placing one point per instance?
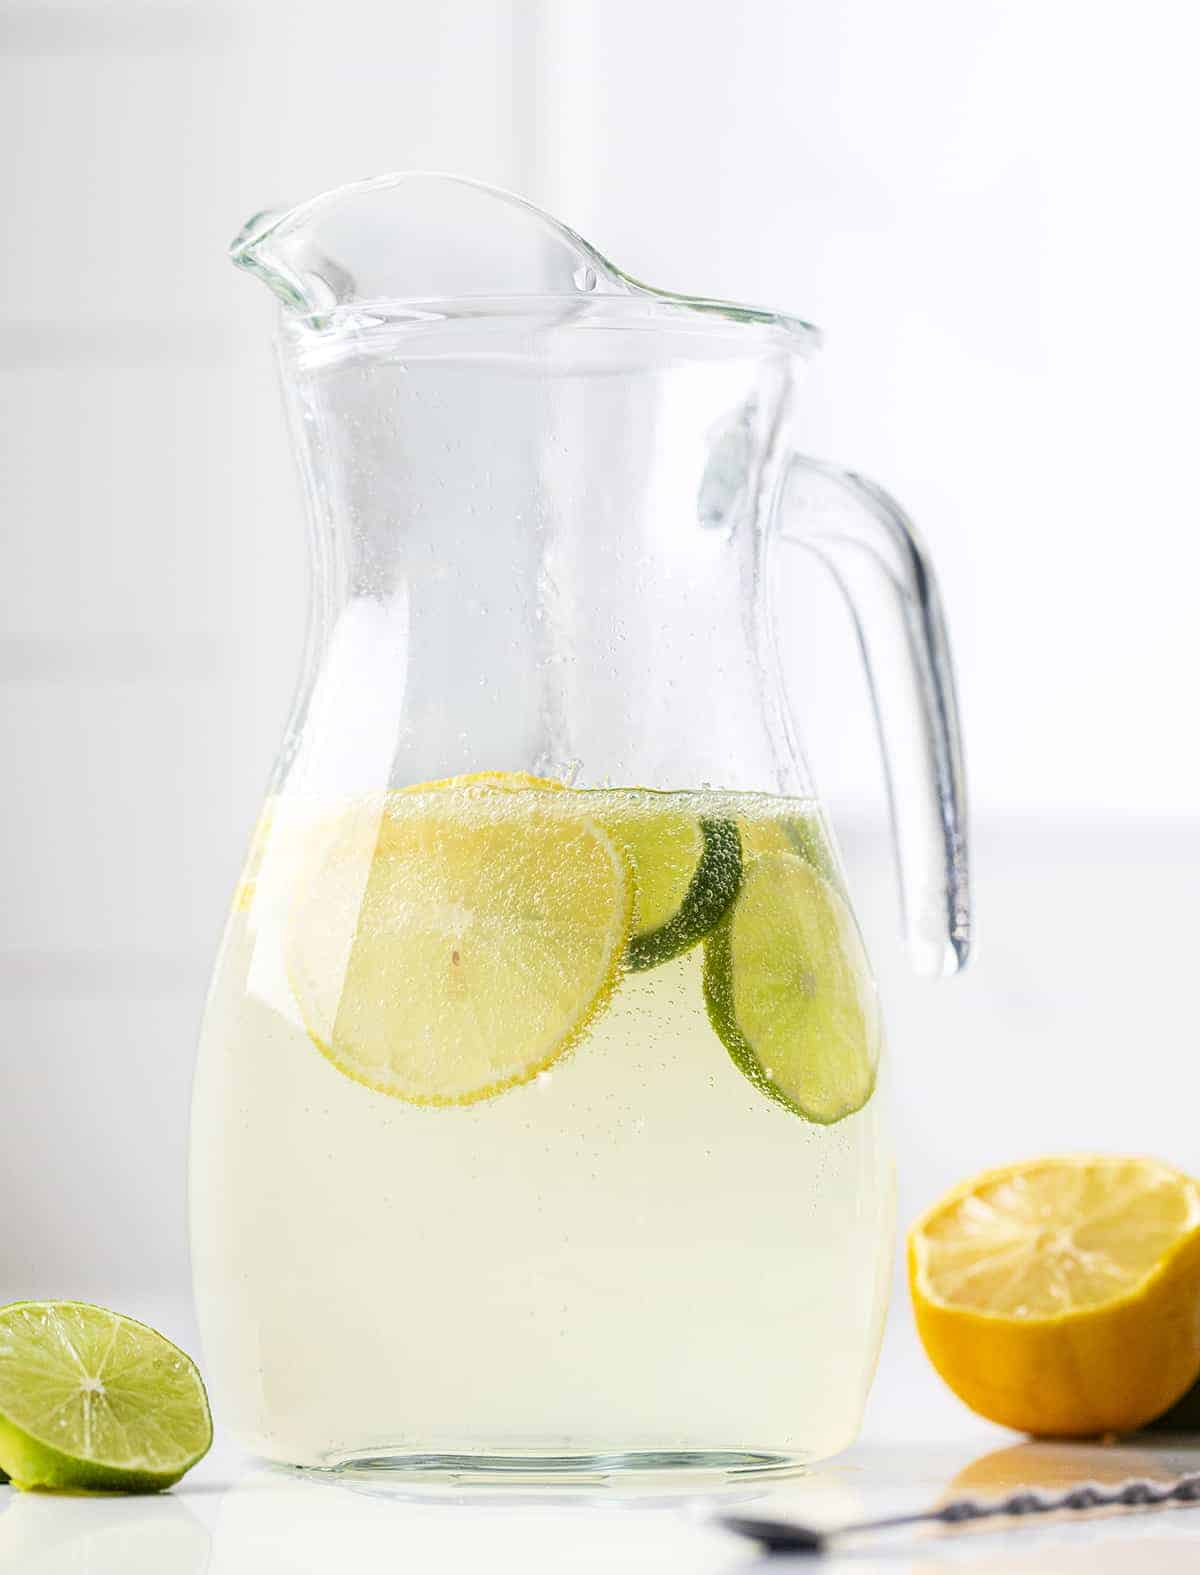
(712, 888)
(794, 1003)
(92, 1401)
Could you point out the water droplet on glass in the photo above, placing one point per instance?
(585, 277)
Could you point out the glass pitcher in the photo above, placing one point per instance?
(536, 1128)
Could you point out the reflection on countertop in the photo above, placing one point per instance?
(239, 1517)
(52, 1534)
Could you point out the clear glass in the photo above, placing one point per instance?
(491, 1172)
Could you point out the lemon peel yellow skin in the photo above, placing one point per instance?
(1124, 1343)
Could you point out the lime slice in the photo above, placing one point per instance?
(688, 874)
(446, 944)
(94, 1402)
(687, 868)
(799, 834)
(790, 993)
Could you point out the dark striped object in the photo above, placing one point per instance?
(782, 1536)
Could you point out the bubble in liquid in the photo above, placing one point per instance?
(584, 277)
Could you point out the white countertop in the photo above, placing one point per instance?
(233, 1517)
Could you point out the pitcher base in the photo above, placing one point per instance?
(678, 1466)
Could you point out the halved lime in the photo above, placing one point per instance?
(687, 868)
(447, 943)
(789, 990)
(91, 1401)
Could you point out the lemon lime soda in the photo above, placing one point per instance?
(535, 1122)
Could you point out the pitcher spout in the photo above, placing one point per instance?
(415, 236)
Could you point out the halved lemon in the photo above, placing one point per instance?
(789, 990)
(444, 944)
(1062, 1297)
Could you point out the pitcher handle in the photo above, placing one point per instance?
(868, 543)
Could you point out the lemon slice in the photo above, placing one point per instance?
(790, 993)
(510, 781)
(687, 867)
(1062, 1296)
(243, 897)
(445, 944)
(91, 1401)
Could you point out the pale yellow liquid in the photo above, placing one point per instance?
(635, 1252)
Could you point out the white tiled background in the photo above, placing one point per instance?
(990, 209)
